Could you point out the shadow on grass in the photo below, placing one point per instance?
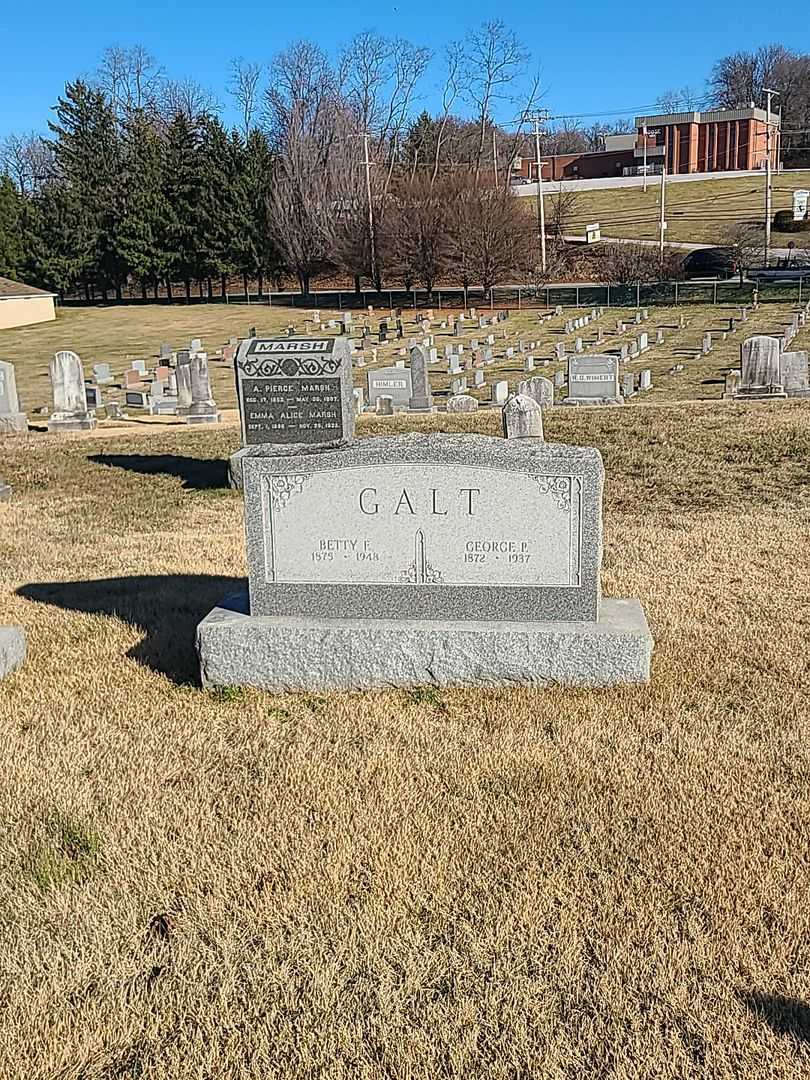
(166, 609)
(197, 474)
(784, 1016)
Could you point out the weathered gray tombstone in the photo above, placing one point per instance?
(659, 336)
(165, 353)
(522, 418)
(628, 384)
(12, 420)
(559, 380)
(479, 378)
(760, 365)
(393, 382)
(795, 375)
(195, 346)
(593, 380)
(538, 388)
(462, 403)
(358, 400)
(385, 405)
(183, 378)
(12, 649)
(421, 399)
(732, 385)
(5, 491)
(401, 562)
(645, 379)
(70, 412)
(102, 373)
(643, 342)
(203, 408)
(707, 343)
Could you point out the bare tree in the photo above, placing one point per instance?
(683, 100)
(27, 159)
(244, 86)
(188, 98)
(450, 91)
(418, 230)
(629, 264)
(746, 242)
(488, 238)
(561, 207)
(494, 61)
(131, 78)
(567, 137)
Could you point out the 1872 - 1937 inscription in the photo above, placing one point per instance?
(294, 390)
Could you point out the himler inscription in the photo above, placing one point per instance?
(294, 390)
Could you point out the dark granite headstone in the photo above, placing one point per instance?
(295, 391)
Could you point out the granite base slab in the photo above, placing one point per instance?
(12, 649)
(84, 424)
(204, 418)
(285, 653)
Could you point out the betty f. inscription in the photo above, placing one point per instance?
(422, 524)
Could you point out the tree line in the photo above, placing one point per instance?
(331, 168)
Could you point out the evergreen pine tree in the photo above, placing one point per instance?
(142, 230)
(11, 239)
(182, 189)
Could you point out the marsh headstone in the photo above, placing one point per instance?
(295, 390)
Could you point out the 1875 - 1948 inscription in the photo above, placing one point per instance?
(294, 390)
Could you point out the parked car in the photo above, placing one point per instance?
(710, 262)
(785, 272)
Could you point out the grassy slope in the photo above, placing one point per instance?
(698, 211)
(117, 335)
(493, 883)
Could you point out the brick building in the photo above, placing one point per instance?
(720, 141)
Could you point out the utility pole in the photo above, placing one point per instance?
(663, 209)
(495, 155)
(371, 239)
(768, 174)
(541, 210)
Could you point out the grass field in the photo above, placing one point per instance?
(116, 335)
(503, 883)
(699, 211)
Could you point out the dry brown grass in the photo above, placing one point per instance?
(497, 883)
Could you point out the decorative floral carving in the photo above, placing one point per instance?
(282, 489)
(415, 576)
(559, 487)
(275, 366)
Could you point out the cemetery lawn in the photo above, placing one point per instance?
(697, 211)
(493, 883)
(117, 335)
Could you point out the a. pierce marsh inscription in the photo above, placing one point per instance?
(294, 390)
(426, 527)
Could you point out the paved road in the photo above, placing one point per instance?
(553, 186)
(776, 253)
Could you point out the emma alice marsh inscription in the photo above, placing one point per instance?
(397, 523)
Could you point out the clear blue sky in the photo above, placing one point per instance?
(593, 56)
